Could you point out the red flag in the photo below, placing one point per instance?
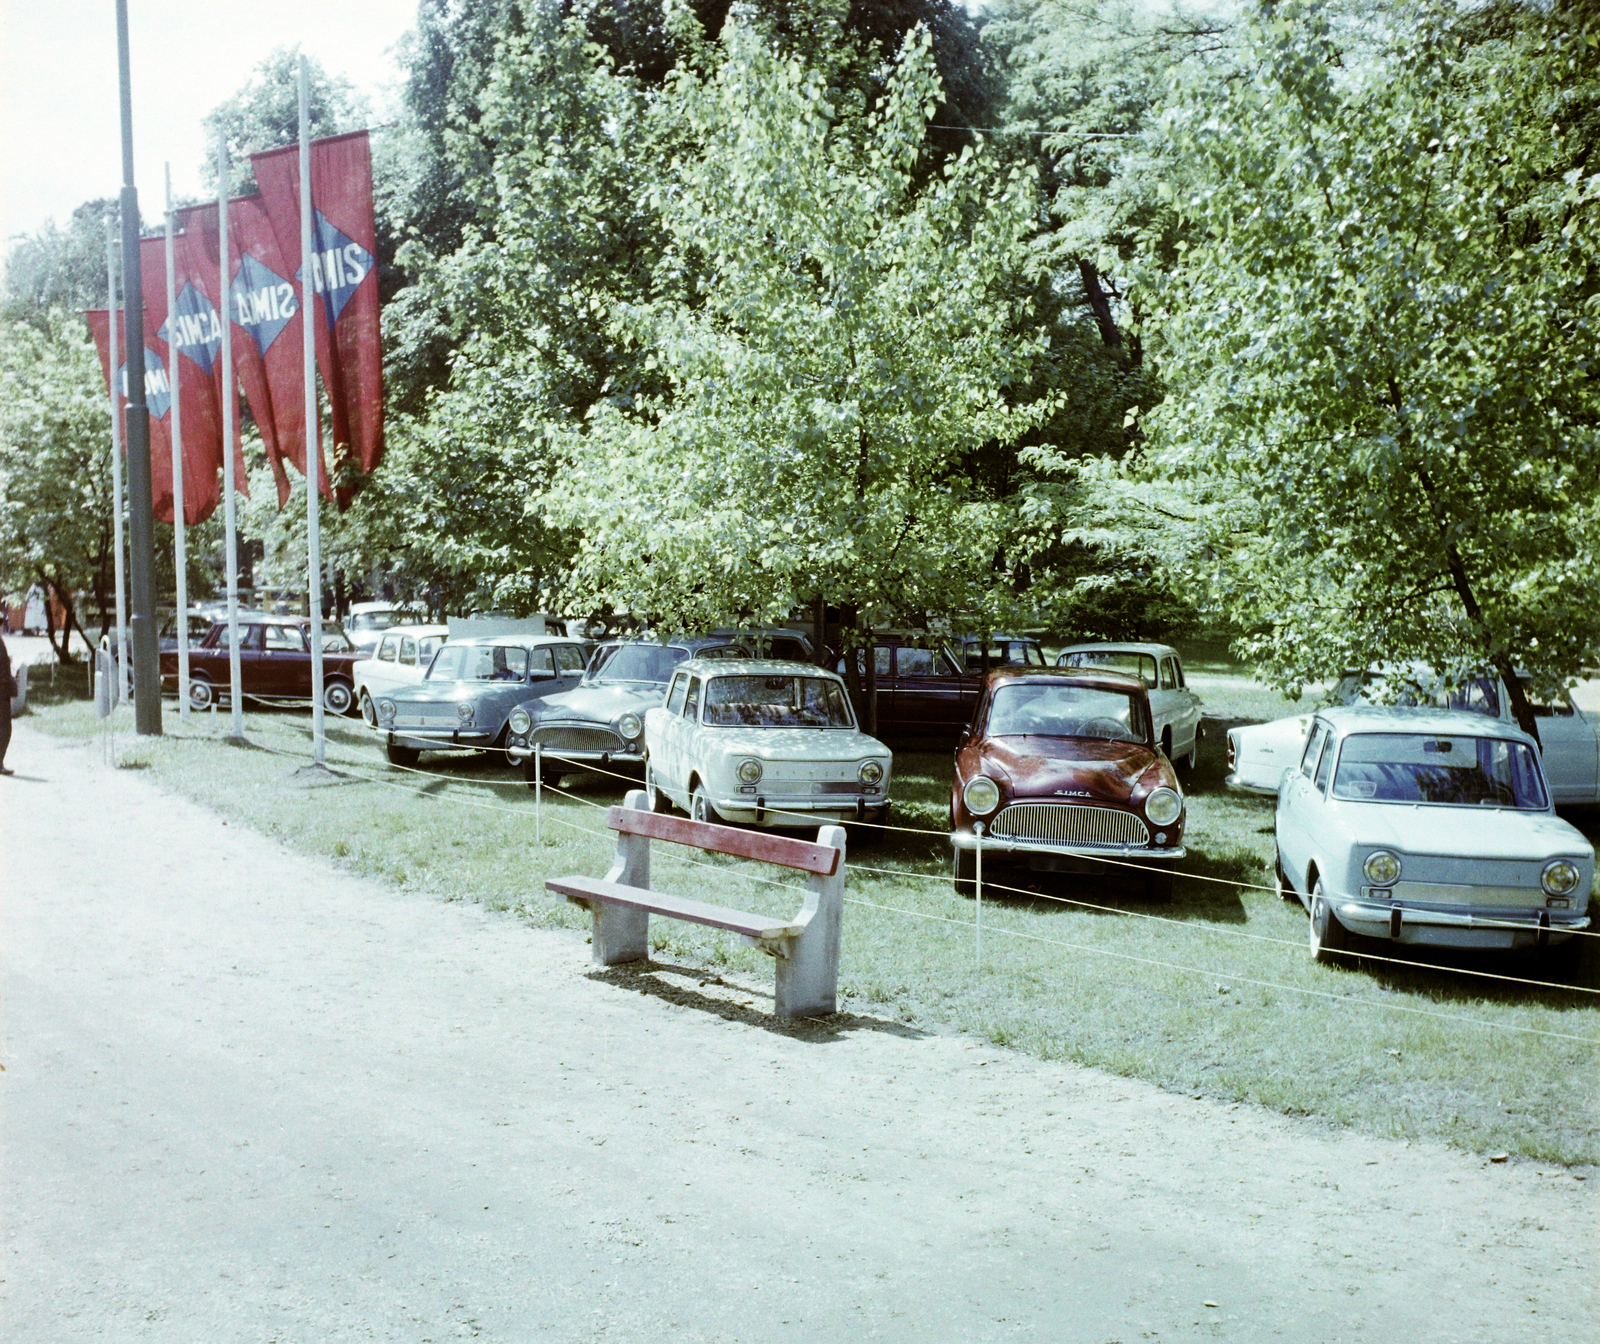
(157, 398)
(202, 440)
(345, 283)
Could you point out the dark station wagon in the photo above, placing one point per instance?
(1061, 768)
(274, 664)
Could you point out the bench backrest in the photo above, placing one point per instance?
(822, 860)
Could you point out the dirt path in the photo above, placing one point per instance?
(249, 1098)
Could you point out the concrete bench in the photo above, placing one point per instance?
(804, 946)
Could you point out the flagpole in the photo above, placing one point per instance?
(141, 520)
(308, 307)
(230, 407)
(121, 577)
(179, 552)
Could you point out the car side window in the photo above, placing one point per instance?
(1169, 676)
(283, 639)
(1325, 768)
(569, 658)
(916, 662)
(249, 637)
(678, 693)
(1547, 704)
(691, 708)
(408, 650)
(1308, 762)
(542, 662)
(426, 648)
(386, 649)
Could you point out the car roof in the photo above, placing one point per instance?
(512, 641)
(1124, 646)
(1105, 678)
(364, 607)
(755, 667)
(1347, 719)
(690, 642)
(423, 632)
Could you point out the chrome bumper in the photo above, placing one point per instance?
(1261, 790)
(435, 739)
(993, 844)
(1379, 919)
(598, 757)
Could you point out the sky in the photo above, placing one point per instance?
(60, 143)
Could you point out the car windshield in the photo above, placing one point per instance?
(1042, 710)
(1140, 665)
(1479, 696)
(380, 620)
(1427, 768)
(1005, 653)
(777, 702)
(480, 662)
(640, 662)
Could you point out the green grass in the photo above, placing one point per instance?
(1218, 996)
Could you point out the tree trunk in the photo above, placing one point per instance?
(1098, 301)
(819, 630)
(871, 725)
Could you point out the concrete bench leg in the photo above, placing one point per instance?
(808, 978)
(620, 933)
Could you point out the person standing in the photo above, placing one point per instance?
(8, 688)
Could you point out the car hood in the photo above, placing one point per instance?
(794, 744)
(1461, 832)
(603, 703)
(1075, 767)
(436, 692)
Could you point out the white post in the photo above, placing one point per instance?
(230, 407)
(124, 668)
(538, 793)
(308, 311)
(179, 555)
(977, 886)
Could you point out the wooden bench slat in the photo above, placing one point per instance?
(678, 907)
(776, 849)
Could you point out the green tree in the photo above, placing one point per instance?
(1382, 337)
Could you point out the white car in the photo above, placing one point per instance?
(764, 742)
(366, 621)
(1174, 708)
(1427, 826)
(401, 657)
(1569, 737)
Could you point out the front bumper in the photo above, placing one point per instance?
(627, 756)
(1456, 926)
(1005, 845)
(436, 739)
(764, 811)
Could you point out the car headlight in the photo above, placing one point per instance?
(519, 720)
(386, 709)
(870, 773)
(1164, 806)
(982, 795)
(749, 772)
(1560, 877)
(464, 710)
(630, 726)
(1383, 868)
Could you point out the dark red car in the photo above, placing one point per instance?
(1061, 767)
(274, 664)
(924, 687)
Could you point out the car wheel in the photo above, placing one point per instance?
(1188, 763)
(655, 796)
(337, 697)
(369, 715)
(1286, 891)
(700, 808)
(202, 694)
(1158, 886)
(1329, 938)
(1166, 743)
(406, 756)
(964, 870)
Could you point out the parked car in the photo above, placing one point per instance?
(274, 664)
(1061, 766)
(601, 721)
(470, 693)
(979, 655)
(765, 742)
(400, 659)
(1427, 826)
(771, 641)
(365, 622)
(1569, 737)
(1175, 709)
(924, 687)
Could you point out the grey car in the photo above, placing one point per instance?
(601, 722)
(472, 687)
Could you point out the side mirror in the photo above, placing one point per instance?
(964, 737)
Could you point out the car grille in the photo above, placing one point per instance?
(407, 717)
(1069, 824)
(565, 737)
(850, 786)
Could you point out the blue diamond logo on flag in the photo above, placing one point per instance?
(263, 302)
(157, 390)
(338, 266)
(194, 328)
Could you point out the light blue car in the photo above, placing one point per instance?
(471, 689)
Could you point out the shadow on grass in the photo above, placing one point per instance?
(681, 985)
(1437, 975)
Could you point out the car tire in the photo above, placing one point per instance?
(369, 712)
(403, 756)
(655, 796)
(1189, 762)
(964, 872)
(700, 808)
(1285, 890)
(1329, 939)
(338, 696)
(202, 694)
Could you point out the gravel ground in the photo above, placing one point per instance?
(250, 1098)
